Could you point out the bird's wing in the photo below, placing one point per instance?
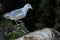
(16, 12)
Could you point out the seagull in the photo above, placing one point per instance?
(18, 13)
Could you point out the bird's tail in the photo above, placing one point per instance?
(6, 16)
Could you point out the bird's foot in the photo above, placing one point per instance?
(20, 21)
(18, 24)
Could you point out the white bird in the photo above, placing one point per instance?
(18, 13)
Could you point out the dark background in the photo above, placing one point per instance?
(45, 13)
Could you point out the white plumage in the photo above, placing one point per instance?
(18, 13)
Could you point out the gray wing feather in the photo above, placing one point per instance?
(16, 12)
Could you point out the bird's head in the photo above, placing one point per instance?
(29, 6)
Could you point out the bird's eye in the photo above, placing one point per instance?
(28, 5)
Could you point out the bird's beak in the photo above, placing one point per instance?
(31, 8)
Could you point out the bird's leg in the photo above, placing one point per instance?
(20, 21)
(16, 22)
(24, 29)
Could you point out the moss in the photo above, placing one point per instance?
(6, 23)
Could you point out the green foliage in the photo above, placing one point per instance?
(11, 35)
